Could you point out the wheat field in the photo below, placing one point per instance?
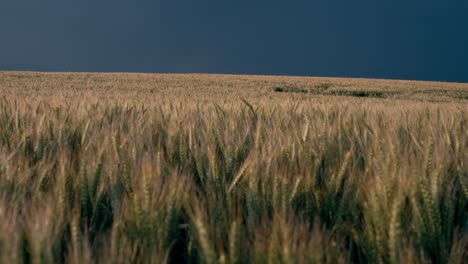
(166, 168)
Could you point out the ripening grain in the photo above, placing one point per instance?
(138, 168)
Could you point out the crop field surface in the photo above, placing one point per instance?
(174, 168)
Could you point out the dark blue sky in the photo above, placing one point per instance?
(399, 39)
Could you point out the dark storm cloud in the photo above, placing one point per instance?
(385, 39)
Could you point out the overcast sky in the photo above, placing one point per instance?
(399, 39)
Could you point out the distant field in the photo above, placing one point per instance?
(159, 168)
(148, 87)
